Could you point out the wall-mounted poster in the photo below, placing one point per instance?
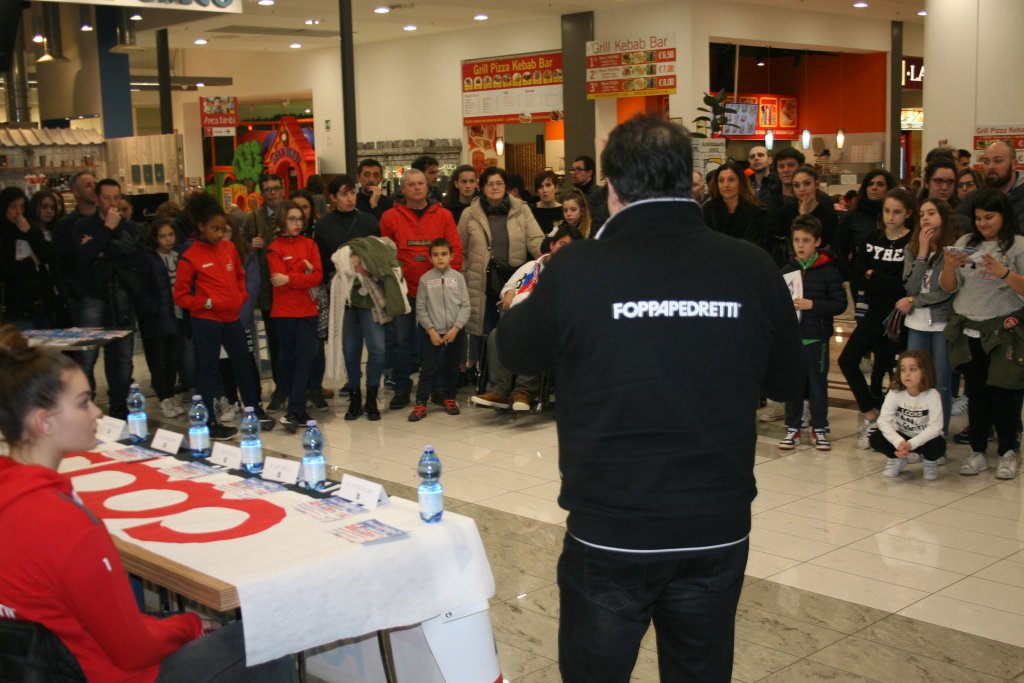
(218, 115)
(631, 67)
(768, 112)
(136, 174)
(513, 89)
(147, 174)
(158, 172)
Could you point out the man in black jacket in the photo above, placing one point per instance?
(663, 334)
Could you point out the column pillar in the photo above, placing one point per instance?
(577, 29)
(115, 80)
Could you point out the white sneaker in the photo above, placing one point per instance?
(913, 458)
(894, 467)
(772, 412)
(863, 441)
(169, 408)
(959, 406)
(1007, 465)
(931, 470)
(975, 463)
(227, 412)
(941, 461)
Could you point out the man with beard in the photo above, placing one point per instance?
(999, 174)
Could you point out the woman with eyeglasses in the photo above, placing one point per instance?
(499, 231)
(967, 181)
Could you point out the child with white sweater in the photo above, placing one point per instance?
(910, 423)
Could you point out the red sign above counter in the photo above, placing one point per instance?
(631, 67)
(513, 89)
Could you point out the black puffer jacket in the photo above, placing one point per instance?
(823, 284)
(157, 319)
(854, 229)
(747, 223)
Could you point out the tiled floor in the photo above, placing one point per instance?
(851, 577)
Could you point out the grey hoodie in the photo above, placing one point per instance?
(442, 300)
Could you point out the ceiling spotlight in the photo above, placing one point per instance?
(312, 22)
(382, 10)
(200, 41)
(481, 17)
(308, 111)
(86, 27)
(760, 61)
(136, 17)
(410, 27)
(923, 13)
(860, 5)
(265, 3)
(85, 16)
(295, 46)
(37, 30)
(200, 84)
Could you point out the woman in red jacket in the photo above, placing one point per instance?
(295, 270)
(60, 567)
(210, 285)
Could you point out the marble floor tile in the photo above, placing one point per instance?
(525, 629)
(500, 441)
(762, 565)
(859, 518)
(805, 671)
(522, 504)
(516, 663)
(987, 593)
(987, 505)
(548, 490)
(510, 583)
(782, 633)
(469, 491)
(787, 545)
(983, 524)
(890, 570)
(384, 469)
(950, 480)
(549, 537)
(767, 499)
(495, 523)
(1004, 571)
(783, 484)
(544, 600)
(810, 528)
(814, 608)
(872, 592)
(904, 490)
(507, 552)
(890, 665)
(1005, 490)
(947, 645)
(969, 617)
(501, 478)
(549, 674)
(923, 553)
(1016, 557)
(805, 468)
(961, 539)
(874, 502)
(533, 464)
(752, 662)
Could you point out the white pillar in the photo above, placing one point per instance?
(972, 57)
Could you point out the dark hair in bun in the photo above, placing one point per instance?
(203, 208)
(30, 378)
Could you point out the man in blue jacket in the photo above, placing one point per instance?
(663, 334)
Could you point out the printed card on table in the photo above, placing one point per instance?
(254, 487)
(131, 453)
(370, 531)
(167, 441)
(189, 470)
(330, 509)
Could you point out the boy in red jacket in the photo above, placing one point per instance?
(295, 268)
(210, 285)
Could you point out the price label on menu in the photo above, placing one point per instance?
(167, 441)
(226, 455)
(111, 429)
(281, 469)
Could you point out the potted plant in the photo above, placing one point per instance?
(714, 120)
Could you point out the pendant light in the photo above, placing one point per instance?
(840, 135)
(840, 138)
(769, 139)
(499, 146)
(769, 135)
(805, 136)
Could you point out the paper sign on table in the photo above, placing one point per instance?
(370, 531)
(281, 469)
(111, 429)
(366, 493)
(329, 509)
(253, 487)
(131, 453)
(189, 470)
(226, 455)
(167, 441)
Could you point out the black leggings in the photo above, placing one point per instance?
(989, 406)
(869, 335)
(930, 450)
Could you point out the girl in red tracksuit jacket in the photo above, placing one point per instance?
(210, 285)
(295, 268)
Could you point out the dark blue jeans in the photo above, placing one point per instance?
(401, 366)
(608, 600)
(297, 339)
(117, 355)
(360, 328)
(816, 362)
(209, 336)
(220, 657)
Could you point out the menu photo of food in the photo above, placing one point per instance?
(768, 112)
(788, 112)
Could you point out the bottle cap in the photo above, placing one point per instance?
(135, 385)
(197, 397)
(311, 423)
(249, 409)
(428, 447)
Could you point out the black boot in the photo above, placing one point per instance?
(354, 409)
(372, 413)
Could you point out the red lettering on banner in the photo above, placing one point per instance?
(260, 514)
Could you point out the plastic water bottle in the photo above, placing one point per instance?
(198, 430)
(252, 444)
(431, 493)
(138, 424)
(314, 465)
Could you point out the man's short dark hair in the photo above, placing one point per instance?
(368, 163)
(588, 162)
(808, 223)
(648, 157)
(422, 163)
(963, 154)
(107, 182)
(439, 243)
(77, 176)
(789, 153)
(567, 231)
(267, 177)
